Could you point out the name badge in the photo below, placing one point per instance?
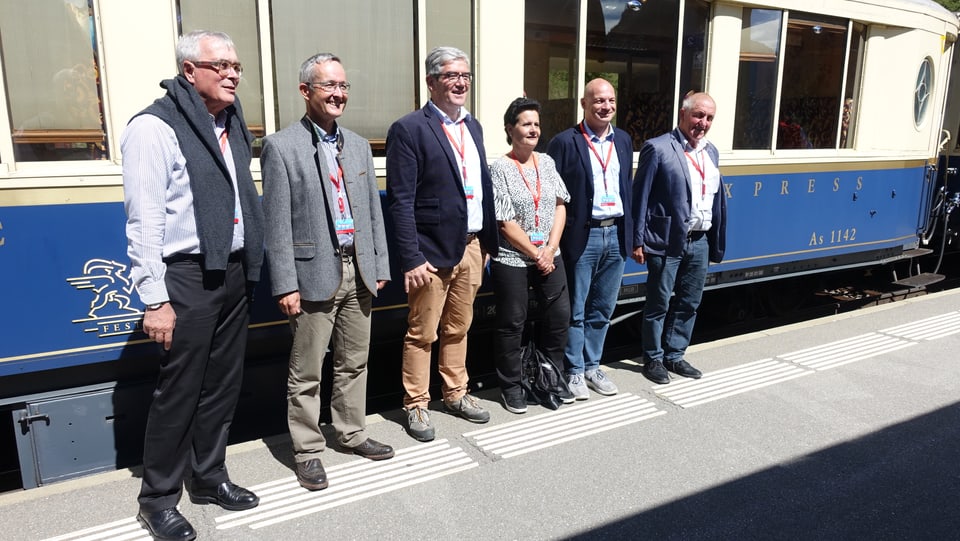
(608, 200)
(536, 238)
(468, 191)
(344, 226)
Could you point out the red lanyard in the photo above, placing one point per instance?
(336, 180)
(603, 164)
(223, 142)
(460, 148)
(535, 195)
(703, 174)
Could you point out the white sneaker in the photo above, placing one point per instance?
(577, 387)
(598, 381)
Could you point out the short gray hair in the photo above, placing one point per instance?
(440, 56)
(306, 69)
(188, 47)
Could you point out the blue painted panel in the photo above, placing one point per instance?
(67, 298)
(782, 218)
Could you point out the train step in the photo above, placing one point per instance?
(917, 252)
(920, 280)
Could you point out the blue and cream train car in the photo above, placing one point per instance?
(828, 123)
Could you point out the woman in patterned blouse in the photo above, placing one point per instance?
(529, 196)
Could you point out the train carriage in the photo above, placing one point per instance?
(829, 123)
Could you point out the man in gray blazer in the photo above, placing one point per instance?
(327, 254)
(680, 220)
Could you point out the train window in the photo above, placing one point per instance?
(52, 72)
(757, 78)
(851, 94)
(813, 60)
(375, 42)
(693, 61)
(550, 62)
(921, 93)
(238, 18)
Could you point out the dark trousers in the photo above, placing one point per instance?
(199, 382)
(511, 285)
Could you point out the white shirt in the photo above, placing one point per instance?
(704, 183)
(459, 136)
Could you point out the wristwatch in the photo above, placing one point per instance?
(155, 306)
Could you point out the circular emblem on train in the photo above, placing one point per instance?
(921, 94)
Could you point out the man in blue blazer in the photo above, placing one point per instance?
(594, 158)
(680, 215)
(327, 250)
(440, 197)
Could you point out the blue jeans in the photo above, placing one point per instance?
(594, 283)
(667, 326)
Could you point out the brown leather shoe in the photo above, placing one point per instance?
(311, 475)
(373, 449)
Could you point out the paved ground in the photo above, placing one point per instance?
(842, 428)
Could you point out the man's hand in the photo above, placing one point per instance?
(418, 276)
(158, 324)
(382, 284)
(289, 303)
(638, 255)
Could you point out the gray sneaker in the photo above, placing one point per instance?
(418, 424)
(577, 387)
(468, 408)
(598, 381)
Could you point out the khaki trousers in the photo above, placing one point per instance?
(442, 309)
(345, 319)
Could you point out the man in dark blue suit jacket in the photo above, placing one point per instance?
(680, 215)
(594, 158)
(440, 197)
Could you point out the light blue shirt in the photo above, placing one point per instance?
(159, 202)
(607, 202)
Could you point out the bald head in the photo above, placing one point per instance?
(599, 103)
(696, 117)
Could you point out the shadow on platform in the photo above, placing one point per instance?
(902, 482)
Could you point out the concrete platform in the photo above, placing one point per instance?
(845, 427)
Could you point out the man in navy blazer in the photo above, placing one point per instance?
(594, 158)
(327, 250)
(440, 197)
(680, 215)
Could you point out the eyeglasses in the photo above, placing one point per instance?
(331, 86)
(221, 66)
(456, 76)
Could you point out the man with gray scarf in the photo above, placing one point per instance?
(195, 241)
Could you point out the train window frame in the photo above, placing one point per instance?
(921, 104)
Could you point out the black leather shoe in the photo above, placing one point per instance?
(682, 368)
(655, 372)
(311, 475)
(373, 449)
(227, 495)
(167, 525)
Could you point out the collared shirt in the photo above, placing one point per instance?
(159, 202)
(470, 161)
(607, 201)
(328, 142)
(704, 183)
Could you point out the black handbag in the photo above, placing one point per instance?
(541, 379)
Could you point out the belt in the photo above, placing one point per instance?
(347, 252)
(607, 222)
(235, 257)
(471, 237)
(695, 234)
